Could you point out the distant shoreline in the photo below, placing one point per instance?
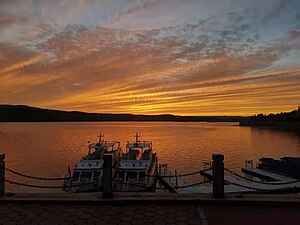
(122, 121)
(22, 113)
(289, 121)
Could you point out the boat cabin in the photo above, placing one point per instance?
(97, 150)
(138, 161)
(89, 170)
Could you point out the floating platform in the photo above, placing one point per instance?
(174, 184)
(267, 175)
(233, 184)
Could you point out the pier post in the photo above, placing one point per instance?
(2, 175)
(218, 175)
(107, 176)
(176, 181)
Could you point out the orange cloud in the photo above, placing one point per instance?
(202, 68)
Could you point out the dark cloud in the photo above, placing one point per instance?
(235, 17)
(293, 34)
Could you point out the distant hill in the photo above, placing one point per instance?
(283, 120)
(23, 113)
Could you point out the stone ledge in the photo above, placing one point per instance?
(153, 198)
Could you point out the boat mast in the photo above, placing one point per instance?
(100, 137)
(89, 151)
(137, 137)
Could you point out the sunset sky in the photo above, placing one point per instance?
(184, 57)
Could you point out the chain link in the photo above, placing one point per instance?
(48, 187)
(34, 177)
(192, 185)
(182, 175)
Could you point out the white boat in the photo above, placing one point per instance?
(87, 174)
(137, 168)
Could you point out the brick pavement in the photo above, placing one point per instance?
(48, 214)
(252, 215)
(149, 209)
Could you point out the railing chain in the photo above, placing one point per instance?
(42, 186)
(34, 177)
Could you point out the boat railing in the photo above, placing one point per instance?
(249, 164)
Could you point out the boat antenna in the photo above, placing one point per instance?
(100, 137)
(137, 137)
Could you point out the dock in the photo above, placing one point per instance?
(175, 184)
(190, 205)
(267, 175)
(235, 184)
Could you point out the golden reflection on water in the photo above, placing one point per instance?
(46, 149)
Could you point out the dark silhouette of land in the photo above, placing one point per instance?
(23, 113)
(283, 120)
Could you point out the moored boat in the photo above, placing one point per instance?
(87, 174)
(288, 166)
(137, 168)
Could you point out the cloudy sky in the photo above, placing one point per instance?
(192, 57)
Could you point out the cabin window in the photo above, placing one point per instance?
(131, 175)
(122, 175)
(97, 175)
(76, 174)
(141, 175)
(86, 174)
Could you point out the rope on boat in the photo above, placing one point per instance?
(192, 185)
(142, 188)
(178, 187)
(42, 186)
(34, 177)
(180, 175)
(260, 182)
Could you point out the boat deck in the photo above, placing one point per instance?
(268, 175)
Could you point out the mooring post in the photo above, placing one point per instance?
(176, 181)
(218, 175)
(107, 176)
(2, 175)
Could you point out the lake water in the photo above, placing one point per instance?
(46, 149)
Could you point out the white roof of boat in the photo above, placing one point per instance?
(89, 164)
(102, 144)
(138, 145)
(134, 164)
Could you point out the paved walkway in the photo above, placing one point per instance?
(252, 215)
(149, 209)
(48, 214)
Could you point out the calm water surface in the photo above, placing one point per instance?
(46, 149)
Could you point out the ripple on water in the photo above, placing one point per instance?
(46, 149)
